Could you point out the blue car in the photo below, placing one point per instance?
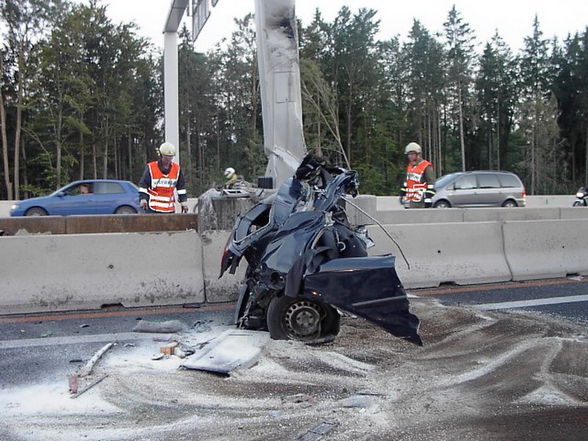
(102, 196)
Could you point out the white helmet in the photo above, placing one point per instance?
(167, 149)
(228, 172)
(412, 147)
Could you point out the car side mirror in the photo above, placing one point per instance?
(61, 194)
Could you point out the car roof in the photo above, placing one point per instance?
(99, 180)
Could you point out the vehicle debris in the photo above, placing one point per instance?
(305, 260)
(87, 368)
(233, 349)
(167, 327)
(87, 388)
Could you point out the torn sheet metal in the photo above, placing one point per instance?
(233, 349)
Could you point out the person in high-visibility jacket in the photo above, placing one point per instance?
(160, 179)
(419, 187)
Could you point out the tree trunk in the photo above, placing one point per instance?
(25, 175)
(58, 147)
(586, 164)
(130, 155)
(461, 134)
(105, 160)
(189, 148)
(6, 164)
(94, 161)
(17, 132)
(82, 156)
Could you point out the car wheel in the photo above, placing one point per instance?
(295, 318)
(36, 211)
(125, 209)
(442, 204)
(509, 204)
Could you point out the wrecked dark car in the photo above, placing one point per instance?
(306, 262)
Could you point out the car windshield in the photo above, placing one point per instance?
(444, 180)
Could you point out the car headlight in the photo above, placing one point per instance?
(14, 207)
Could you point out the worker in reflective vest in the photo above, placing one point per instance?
(419, 186)
(160, 179)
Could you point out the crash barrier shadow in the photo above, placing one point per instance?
(42, 273)
(111, 223)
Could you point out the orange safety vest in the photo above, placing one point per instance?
(161, 192)
(414, 188)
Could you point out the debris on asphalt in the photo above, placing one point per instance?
(304, 400)
(233, 349)
(85, 325)
(201, 326)
(358, 401)
(169, 349)
(88, 387)
(47, 334)
(76, 360)
(317, 432)
(87, 368)
(168, 327)
(156, 357)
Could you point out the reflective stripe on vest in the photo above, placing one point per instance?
(414, 188)
(161, 192)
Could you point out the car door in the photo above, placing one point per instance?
(70, 201)
(489, 191)
(107, 195)
(465, 192)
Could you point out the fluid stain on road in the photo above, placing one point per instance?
(480, 376)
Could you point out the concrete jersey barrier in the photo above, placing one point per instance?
(546, 249)
(71, 272)
(461, 253)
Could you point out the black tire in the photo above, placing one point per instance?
(442, 204)
(125, 209)
(295, 318)
(509, 204)
(36, 211)
(578, 204)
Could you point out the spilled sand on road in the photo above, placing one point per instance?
(480, 376)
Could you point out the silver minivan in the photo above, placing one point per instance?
(479, 189)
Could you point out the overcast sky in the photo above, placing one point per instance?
(512, 18)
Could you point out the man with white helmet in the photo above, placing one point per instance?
(160, 179)
(419, 187)
(232, 179)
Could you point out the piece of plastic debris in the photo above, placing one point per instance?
(129, 345)
(47, 334)
(87, 368)
(156, 356)
(85, 325)
(76, 360)
(168, 327)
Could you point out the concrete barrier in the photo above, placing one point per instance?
(462, 253)
(573, 213)
(225, 289)
(36, 224)
(546, 249)
(72, 272)
(503, 214)
(550, 201)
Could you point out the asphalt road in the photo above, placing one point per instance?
(567, 298)
(488, 375)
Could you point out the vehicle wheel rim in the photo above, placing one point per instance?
(303, 319)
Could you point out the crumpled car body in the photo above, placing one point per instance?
(306, 262)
